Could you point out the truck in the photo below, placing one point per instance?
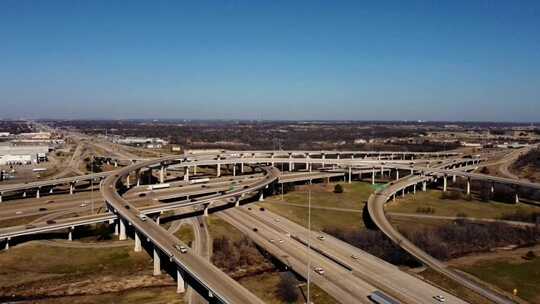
(199, 180)
(380, 298)
(158, 186)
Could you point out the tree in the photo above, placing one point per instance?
(338, 188)
(286, 288)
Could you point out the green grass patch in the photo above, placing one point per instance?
(452, 287)
(448, 207)
(185, 234)
(219, 228)
(524, 275)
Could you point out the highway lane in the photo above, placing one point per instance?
(336, 281)
(376, 210)
(223, 287)
(382, 275)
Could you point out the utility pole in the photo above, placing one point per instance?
(309, 245)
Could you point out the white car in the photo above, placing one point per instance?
(277, 220)
(82, 205)
(321, 237)
(354, 257)
(143, 217)
(280, 241)
(319, 270)
(440, 298)
(271, 240)
(181, 248)
(18, 212)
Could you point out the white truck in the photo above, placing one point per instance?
(158, 186)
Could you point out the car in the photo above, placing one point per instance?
(249, 208)
(50, 222)
(440, 298)
(82, 205)
(354, 257)
(127, 206)
(271, 240)
(255, 229)
(143, 217)
(280, 241)
(42, 209)
(276, 219)
(181, 248)
(319, 270)
(142, 194)
(18, 212)
(321, 237)
(49, 202)
(261, 209)
(29, 226)
(246, 186)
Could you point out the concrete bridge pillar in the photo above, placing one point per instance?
(234, 168)
(116, 164)
(424, 186)
(350, 174)
(397, 174)
(218, 169)
(307, 161)
(128, 184)
(6, 246)
(116, 228)
(453, 179)
(71, 188)
(414, 189)
(205, 212)
(323, 157)
(186, 174)
(352, 156)
(517, 198)
(468, 186)
(138, 177)
(492, 188)
(261, 197)
(162, 174)
(157, 263)
(70, 233)
(122, 236)
(444, 183)
(242, 167)
(1, 196)
(37, 192)
(180, 283)
(24, 194)
(158, 219)
(382, 171)
(403, 192)
(138, 247)
(373, 176)
(394, 197)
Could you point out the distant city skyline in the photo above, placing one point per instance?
(302, 60)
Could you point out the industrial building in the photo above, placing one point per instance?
(22, 155)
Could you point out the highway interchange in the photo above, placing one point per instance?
(351, 275)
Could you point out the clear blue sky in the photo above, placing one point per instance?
(432, 60)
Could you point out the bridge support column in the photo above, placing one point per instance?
(234, 168)
(468, 186)
(180, 284)
(6, 246)
(261, 197)
(453, 179)
(492, 188)
(350, 174)
(444, 183)
(394, 197)
(424, 186)
(162, 174)
(138, 247)
(205, 212)
(186, 174)
(157, 263)
(24, 194)
(115, 228)
(128, 184)
(517, 198)
(323, 157)
(414, 189)
(1, 197)
(218, 170)
(70, 233)
(122, 236)
(373, 176)
(37, 193)
(195, 169)
(242, 167)
(158, 219)
(71, 188)
(397, 174)
(403, 192)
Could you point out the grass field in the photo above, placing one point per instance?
(81, 275)
(507, 274)
(354, 197)
(447, 207)
(185, 234)
(449, 285)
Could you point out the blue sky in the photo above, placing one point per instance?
(431, 60)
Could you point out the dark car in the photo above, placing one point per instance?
(255, 229)
(42, 209)
(262, 208)
(127, 206)
(142, 194)
(50, 222)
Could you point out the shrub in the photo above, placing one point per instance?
(286, 288)
(338, 188)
